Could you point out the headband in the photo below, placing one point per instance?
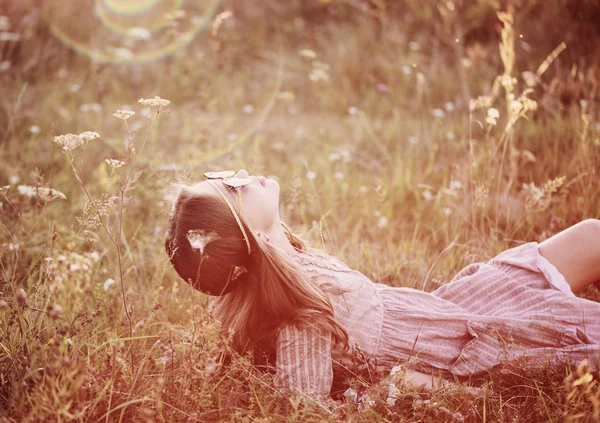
(237, 219)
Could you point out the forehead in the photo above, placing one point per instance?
(204, 188)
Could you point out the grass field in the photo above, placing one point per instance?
(409, 140)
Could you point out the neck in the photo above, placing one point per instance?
(277, 238)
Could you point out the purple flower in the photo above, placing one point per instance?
(382, 88)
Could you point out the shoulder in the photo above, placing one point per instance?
(313, 257)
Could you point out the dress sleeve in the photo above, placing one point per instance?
(303, 360)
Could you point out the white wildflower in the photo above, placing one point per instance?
(108, 283)
(139, 33)
(89, 135)
(413, 140)
(232, 136)
(438, 113)
(535, 192)
(68, 141)
(447, 211)
(136, 126)
(334, 156)
(114, 163)
(154, 102)
(516, 106)
(414, 46)
(4, 189)
(319, 74)
(91, 107)
(4, 23)
(5, 65)
(392, 395)
(481, 102)
(49, 194)
(492, 112)
(75, 87)
(9, 36)
(123, 114)
(199, 238)
(338, 175)
(455, 185)
(95, 256)
(26, 190)
(13, 247)
(311, 175)
(34, 129)
(14, 179)
(382, 222)
(363, 189)
(309, 54)
(491, 121)
(123, 53)
(353, 111)
(248, 109)
(427, 195)
(530, 78)
(449, 106)
(288, 96)
(492, 116)
(407, 70)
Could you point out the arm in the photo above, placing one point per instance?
(303, 360)
(414, 380)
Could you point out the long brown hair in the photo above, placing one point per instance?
(269, 288)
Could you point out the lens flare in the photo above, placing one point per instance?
(128, 31)
(128, 7)
(135, 14)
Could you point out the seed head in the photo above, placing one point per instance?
(49, 194)
(493, 113)
(114, 163)
(154, 102)
(199, 238)
(69, 141)
(89, 135)
(123, 114)
(54, 312)
(21, 297)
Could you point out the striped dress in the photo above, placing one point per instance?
(514, 307)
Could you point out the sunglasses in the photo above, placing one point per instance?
(227, 177)
(233, 183)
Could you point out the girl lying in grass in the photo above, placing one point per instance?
(310, 314)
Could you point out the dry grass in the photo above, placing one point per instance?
(402, 151)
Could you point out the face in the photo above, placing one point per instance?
(260, 199)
